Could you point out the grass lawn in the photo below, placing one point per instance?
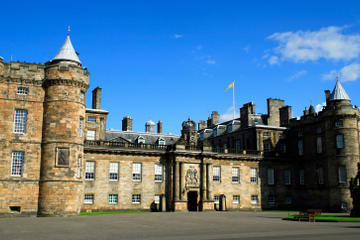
(329, 218)
(115, 212)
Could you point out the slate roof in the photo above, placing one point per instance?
(67, 52)
(339, 93)
(131, 137)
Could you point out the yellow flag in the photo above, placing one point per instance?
(230, 86)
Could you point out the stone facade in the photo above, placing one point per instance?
(57, 158)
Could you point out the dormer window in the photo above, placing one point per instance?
(214, 133)
(229, 128)
(161, 141)
(23, 91)
(141, 140)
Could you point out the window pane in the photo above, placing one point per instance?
(20, 120)
(89, 170)
(302, 177)
(22, 91)
(340, 141)
(287, 177)
(158, 173)
(235, 175)
(137, 172)
(320, 173)
(300, 148)
(342, 174)
(216, 174)
(113, 198)
(136, 199)
(89, 199)
(271, 176)
(318, 145)
(114, 171)
(17, 163)
(253, 176)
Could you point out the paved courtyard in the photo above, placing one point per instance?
(202, 225)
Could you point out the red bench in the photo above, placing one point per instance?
(309, 215)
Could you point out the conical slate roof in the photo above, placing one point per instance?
(67, 52)
(339, 93)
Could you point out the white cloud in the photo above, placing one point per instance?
(246, 48)
(297, 75)
(178, 36)
(228, 115)
(273, 60)
(199, 47)
(210, 61)
(330, 75)
(320, 106)
(350, 72)
(327, 43)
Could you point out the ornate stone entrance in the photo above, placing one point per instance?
(192, 203)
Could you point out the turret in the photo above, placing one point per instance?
(65, 84)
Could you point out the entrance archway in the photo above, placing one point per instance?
(192, 200)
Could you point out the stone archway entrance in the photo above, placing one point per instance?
(192, 197)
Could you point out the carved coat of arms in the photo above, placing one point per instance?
(191, 177)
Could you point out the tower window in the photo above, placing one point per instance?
(17, 164)
(22, 91)
(340, 141)
(92, 119)
(20, 120)
(342, 174)
(339, 123)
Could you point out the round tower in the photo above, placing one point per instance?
(342, 142)
(61, 183)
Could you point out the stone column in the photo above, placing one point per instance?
(177, 183)
(182, 180)
(204, 181)
(209, 177)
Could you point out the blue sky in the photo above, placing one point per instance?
(167, 60)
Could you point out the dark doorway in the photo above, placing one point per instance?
(192, 200)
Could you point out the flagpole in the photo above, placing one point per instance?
(234, 100)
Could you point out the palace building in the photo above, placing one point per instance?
(58, 158)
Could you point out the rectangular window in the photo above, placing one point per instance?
(89, 199)
(300, 148)
(81, 127)
(318, 130)
(236, 199)
(114, 171)
(216, 199)
(113, 198)
(235, 175)
(266, 134)
(271, 200)
(300, 134)
(91, 135)
(17, 164)
(157, 199)
(89, 170)
(267, 146)
(216, 174)
(281, 136)
(342, 174)
(302, 177)
(158, 173)
(136, 172)
(92, 119)
(20, 120)
(253, 176)
(254, 199)
(282, 147)
(22, 91)
(318, 145)
(271, 176)
(339, 123)
(136, 199)
(320, 173)
(340, 141)
(238, 146)
(82, 95)
(78, 172)
(287, 177)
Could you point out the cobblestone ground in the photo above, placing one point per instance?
(203, 225)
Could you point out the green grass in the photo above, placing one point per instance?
(330, 218)
(114, 212)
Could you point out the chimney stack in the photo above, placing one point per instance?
(202, 125)
(159, 126)
(327, 95)
(96, 98)
(127, 123)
